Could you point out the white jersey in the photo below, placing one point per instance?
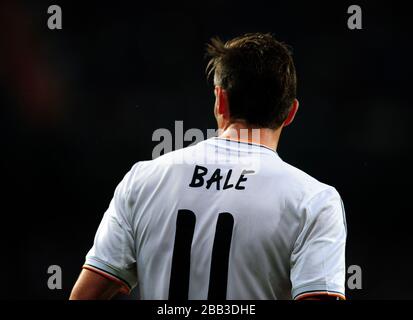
(222, 220)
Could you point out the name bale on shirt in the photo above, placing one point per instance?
(200, 178)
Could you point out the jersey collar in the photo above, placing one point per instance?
(219, 139)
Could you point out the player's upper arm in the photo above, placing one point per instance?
(93, 286)
(318, 257)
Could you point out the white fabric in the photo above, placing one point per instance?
(289, 229)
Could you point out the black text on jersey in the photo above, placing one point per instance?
(200, 174)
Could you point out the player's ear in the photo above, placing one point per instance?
(292, 113)
(221, 102)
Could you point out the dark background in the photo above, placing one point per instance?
(79, 106)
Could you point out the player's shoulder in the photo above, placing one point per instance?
(307, 187)
(155, 167)
(311, 198)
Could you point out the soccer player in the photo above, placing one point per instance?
(225, 218)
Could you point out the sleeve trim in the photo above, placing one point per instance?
(127, 275)
(316, 293)
(125, 287)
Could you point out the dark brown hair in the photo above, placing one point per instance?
(258, 74)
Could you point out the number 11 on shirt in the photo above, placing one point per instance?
(181, 259)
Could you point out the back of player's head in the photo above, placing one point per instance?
(258, 74)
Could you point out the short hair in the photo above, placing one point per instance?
(258, 74)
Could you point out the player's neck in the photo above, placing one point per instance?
(240, 132)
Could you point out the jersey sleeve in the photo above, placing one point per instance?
(113, 252)
(318, 257)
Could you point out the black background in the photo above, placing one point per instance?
(79, 106)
